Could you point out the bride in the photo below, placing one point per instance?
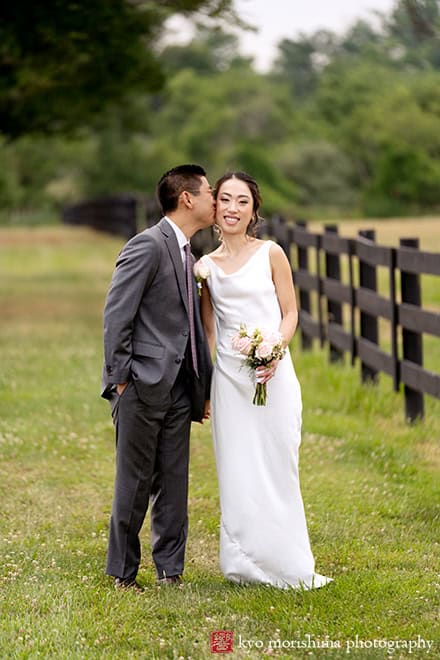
(263, 533)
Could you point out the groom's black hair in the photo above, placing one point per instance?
(175, 181)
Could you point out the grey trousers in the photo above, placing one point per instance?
(152, 456)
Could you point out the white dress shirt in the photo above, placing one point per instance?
(181, 238)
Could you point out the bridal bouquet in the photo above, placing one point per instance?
(259, 347)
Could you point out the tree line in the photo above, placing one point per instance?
(342, 125)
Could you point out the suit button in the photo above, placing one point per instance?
(185, 333)
(177, 360)
(109, 370)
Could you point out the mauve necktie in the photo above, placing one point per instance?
(189, 286)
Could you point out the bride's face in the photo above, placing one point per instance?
(234, 207)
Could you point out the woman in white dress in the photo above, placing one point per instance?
(263, 533)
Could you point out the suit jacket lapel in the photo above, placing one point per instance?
(174, 251)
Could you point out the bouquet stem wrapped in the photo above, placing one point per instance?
(260, 395)
(260, 348)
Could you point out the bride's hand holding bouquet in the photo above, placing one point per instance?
(262, 350)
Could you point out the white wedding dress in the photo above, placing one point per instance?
(263, 533)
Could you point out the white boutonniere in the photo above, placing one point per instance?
(201, 272)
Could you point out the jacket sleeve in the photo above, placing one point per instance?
(136, 268)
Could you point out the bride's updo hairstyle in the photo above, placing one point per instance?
(255, 192)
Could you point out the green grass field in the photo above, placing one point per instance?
(370, 484)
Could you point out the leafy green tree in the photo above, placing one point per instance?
(11, 193)
(345, 86)
(407, 24)
(405, 180)
(278, 193)
(62, 62)
(211, 51)
(362, 40)
(344, 123)
(414, 28)
(322, 174)
(397, 130)
(203, 116)
(300, 61)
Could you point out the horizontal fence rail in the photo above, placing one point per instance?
(317, 274)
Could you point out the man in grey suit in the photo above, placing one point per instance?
(157, 372)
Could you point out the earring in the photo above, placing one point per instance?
(218, 231)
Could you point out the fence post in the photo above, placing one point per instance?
(304, 296)
(352, 303)
(369, 325)
(412, 341)
(320, 291)
(280, 233)
(394, 321)
(334, 309)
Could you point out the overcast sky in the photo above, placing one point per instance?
(277, 19)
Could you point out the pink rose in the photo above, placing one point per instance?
(264, 350)
(273, 337)
(244, 345)
(241, 343)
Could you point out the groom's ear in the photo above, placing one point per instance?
(187, 199)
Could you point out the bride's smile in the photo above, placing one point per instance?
(231, 220)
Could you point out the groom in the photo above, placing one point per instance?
(157, 371)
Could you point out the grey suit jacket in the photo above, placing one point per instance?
(146, 325)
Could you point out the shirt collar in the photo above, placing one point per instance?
(181, 238)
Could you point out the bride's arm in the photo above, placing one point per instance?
(208, 318)
(283, 281)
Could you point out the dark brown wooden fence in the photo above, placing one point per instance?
(341, 304)
(115, 214)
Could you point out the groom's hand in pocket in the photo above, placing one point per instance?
(120, 388)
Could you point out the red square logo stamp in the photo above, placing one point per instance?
(222, 641)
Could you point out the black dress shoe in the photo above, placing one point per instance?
(170, 579)
(128, 583)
